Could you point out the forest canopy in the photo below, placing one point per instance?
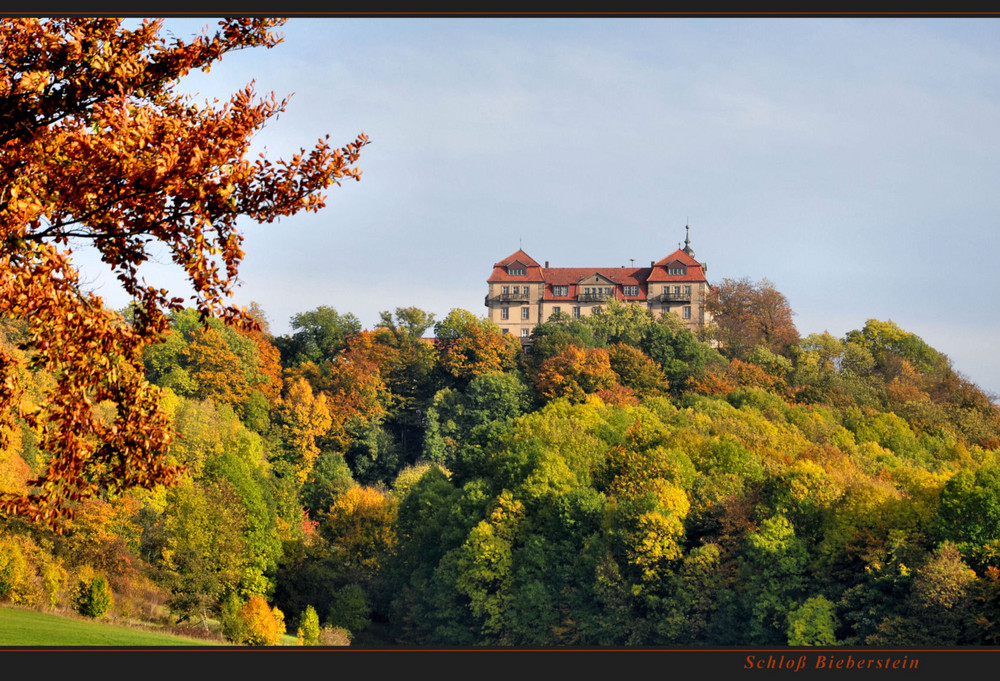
(427, 482)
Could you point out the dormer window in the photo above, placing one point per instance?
(681, 271)
(631, 290)
(560, 290)
(515, 271)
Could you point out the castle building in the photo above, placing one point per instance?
(523, 293)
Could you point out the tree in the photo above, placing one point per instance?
(470, 346)
(262, 626)
(319, 335)
(93, 597)
(409, 373)
(637, 371)
(98, 146)
(813, 623)
(748, 314)
(575, 373)
(618, 322)
(302, 418)
(308, 632)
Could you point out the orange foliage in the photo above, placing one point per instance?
(619, 394)
(575, 373)
(747, 375)
(216, 368)
(478, 351)
(712, 383)
(263, 626)
(738, 374)
(98, 146)
(269, 364)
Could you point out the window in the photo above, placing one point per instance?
(505, 330)
(607, 290)
(576, 312)
(525, 311)
(677, 290)
(517, 290)
(525, 333)
(504, 313)
(597, 308)
(687, 290)
(556, 310)
(505, 290)
(677, 270)
(516, 271)
(631, 290)
(687, 312)
(560, 290)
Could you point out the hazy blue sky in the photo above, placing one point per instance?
(853, 162)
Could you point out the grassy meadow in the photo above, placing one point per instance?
(29, 628)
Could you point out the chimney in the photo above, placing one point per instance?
(652, 262)
(546, 264)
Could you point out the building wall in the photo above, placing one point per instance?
(527, 307)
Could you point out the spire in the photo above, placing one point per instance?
(687, 241)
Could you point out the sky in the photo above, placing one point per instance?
(853, 162)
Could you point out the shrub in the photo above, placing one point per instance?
(264, 626)
(15, 583)
(231, 620)
(349, 608)
(334, 636)
(309, 627)
(92, 597)
(53, 578)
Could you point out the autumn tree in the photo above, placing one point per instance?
(302, 419)
(98, 146)
(575, 373)
(748, 314)
(469, 346)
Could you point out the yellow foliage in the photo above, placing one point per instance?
(361, 523)
(263, 625)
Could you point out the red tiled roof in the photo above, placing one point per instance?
(679, 254)
(572, 276)
(533, 271)
(518, 255)
(695, 272)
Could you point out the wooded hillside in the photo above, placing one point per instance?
(624, 483)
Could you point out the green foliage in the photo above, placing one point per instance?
(231, 622)
(308, 632)
(349, 609)
(93, 597)
(813, 623)
(838, 493)
(885, 340)
(618, 322)
(773, 568)
(969, 510)
(319, 335)
(330, 477)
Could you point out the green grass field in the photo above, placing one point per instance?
(29, 628)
